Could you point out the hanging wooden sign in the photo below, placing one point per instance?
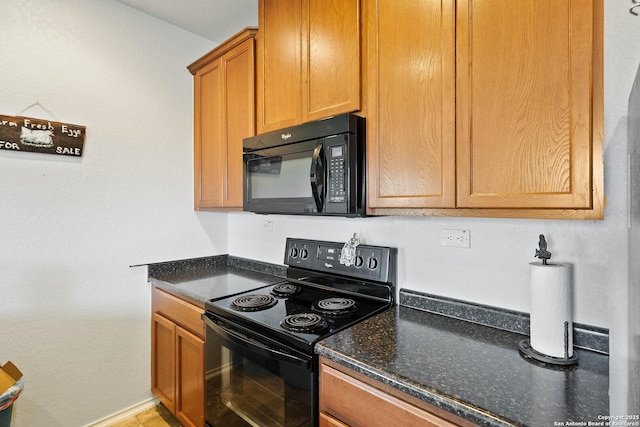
(18, 133)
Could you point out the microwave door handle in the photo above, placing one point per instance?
(317, 176)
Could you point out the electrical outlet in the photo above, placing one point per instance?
(456, 238)
(267, 225)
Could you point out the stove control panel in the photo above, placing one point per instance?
(371, 262)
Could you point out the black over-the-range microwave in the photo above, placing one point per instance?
(316, 168)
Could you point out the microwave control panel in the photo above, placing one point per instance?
(337, 192)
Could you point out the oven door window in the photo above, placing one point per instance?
(246, 387)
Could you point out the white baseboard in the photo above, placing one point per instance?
(125, 413)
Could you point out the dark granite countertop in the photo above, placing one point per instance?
(202, 279)
(470, 370)
(473, 371)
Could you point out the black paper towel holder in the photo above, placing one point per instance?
(525, 345)
(530, 353)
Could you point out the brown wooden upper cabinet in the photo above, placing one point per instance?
(308, 61)
(410, 108)
(492, 107)
(224, 114)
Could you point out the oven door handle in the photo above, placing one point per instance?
(250, 344)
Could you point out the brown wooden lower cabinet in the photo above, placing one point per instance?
(348, 399)
(177, 357)
(329, 421)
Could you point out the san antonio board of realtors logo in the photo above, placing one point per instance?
(19, 133)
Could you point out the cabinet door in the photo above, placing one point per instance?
(410, 106)
(524, 112)
(209, 164)
(278, 60)
(224, 114)
(163, 344)
(329, 421)
(355, 403)
(239, 116)
(330, 58)
(190, 378)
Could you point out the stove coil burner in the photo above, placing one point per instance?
(304, 322)
(285, 290)
(336, 306)
(254, 302)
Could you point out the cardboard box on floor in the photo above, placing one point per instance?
(9, 375)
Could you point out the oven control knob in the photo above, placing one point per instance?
(304, 253)
(372, 263)
(359, 261)
(293, 253)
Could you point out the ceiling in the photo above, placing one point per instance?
(216, 20)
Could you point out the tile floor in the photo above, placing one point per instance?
(157, 416)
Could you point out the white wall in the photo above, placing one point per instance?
(494, 271)
(634, 246)
(73, 316)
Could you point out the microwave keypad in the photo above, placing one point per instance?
(337, 191)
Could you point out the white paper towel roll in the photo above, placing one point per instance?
(550, 288)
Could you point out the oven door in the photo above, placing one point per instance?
(253, 381)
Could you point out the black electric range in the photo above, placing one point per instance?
(263, 339)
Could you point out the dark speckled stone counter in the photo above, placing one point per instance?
(202, 279)
(470, 370)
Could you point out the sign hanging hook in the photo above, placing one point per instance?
(38, 104)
